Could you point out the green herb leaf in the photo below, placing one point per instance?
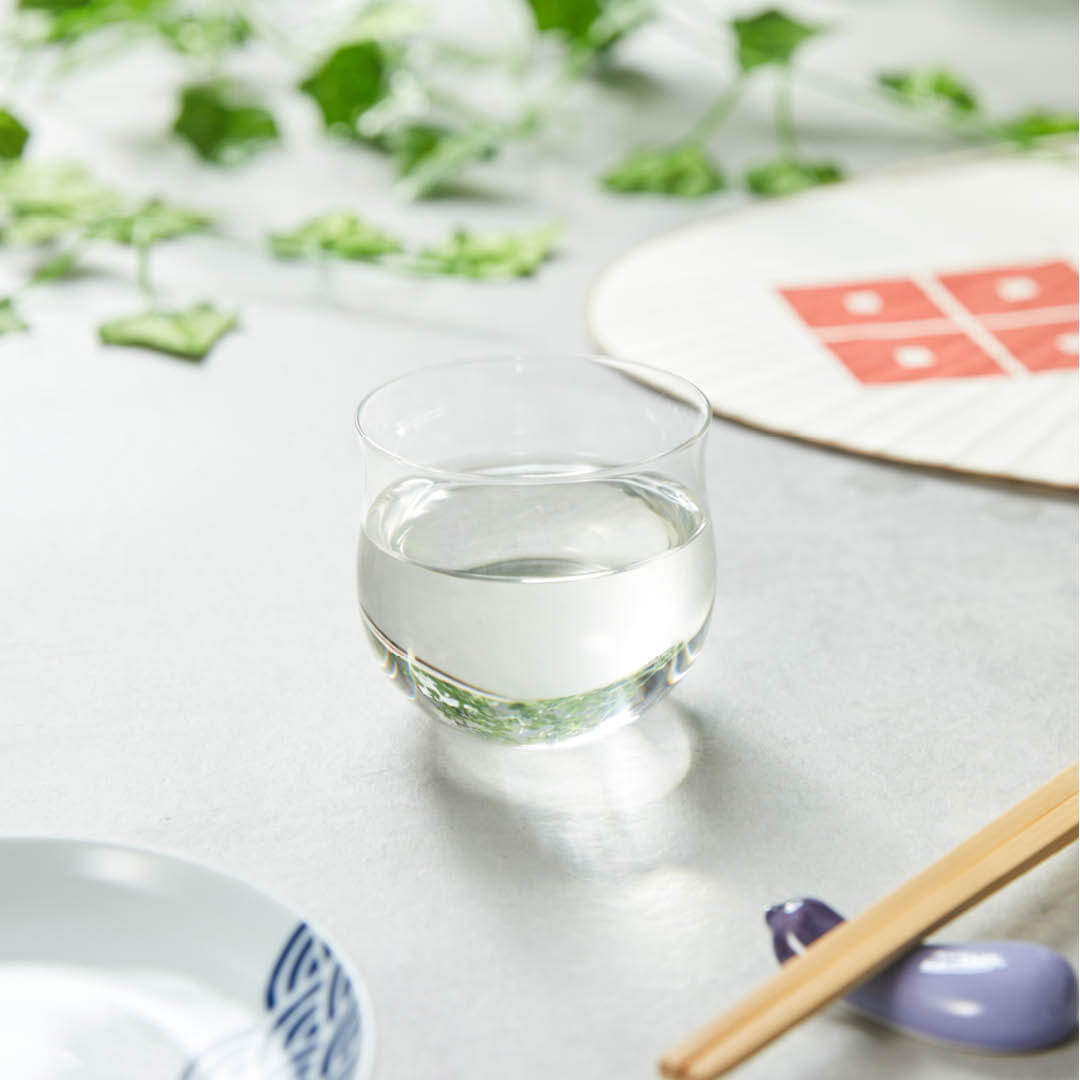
(70, 22)
(340, 234)
(489, 255)
(785, 177)
(205, 35)
(571, 18)
(33, 230)
(154, 221)
(1037, 124)
(223, 125)
(428, 158)
(13, 135)
(590, 25)
(684, 170)
(190, 334)
(48, 5)
(10, 320)
(57, 267)
(931, 88)
(43, 201)
(770, 37)
(347, 84)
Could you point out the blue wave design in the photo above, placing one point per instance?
(313, 1028)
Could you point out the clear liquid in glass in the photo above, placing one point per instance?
(536, 612)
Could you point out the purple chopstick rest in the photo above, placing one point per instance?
(1001, 996)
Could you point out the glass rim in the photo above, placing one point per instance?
(693, 395)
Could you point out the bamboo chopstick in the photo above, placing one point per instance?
(1009, 846)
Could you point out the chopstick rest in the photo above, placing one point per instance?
(1044, 822)
(998, 996)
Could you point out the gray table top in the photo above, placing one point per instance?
(892, 661)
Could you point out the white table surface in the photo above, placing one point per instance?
(893, 657)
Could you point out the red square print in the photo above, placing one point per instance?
(892, 300)
(908, 359)
(1014, 288)
(1046, 347)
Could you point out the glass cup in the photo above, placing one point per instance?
(536, 563)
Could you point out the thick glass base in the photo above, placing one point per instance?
(532, 723)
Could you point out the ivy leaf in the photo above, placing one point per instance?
(61, 188)
(573, 19)
(931, 88)
(47, 5)
(43, 201)
(1028, 127)
(222, 125)
(190, 334)
(770, 37)
(347, 84)
(35, 229)
(785, 177)
(10, 320)
(205, 35)
(57, 267)
(70, 22)
(154, 221)
(13, 135)
(341, 234)
(591, 25)
(431, 158)
(684, 170)
(489, 255)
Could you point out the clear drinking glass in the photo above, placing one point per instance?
(536, 562)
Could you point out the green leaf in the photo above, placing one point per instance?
(431, 158)
(340, 234)
(489, 255)
(410, 144)
(190, 334)
(48, 5)
(205, 35)
(930, 88)
(347, 84)
(13, 135)
(770, 37)
(69, 22)
(57, 267)
(222, 124)
(571, 18)
(1037, 124)
(684, 170)
(590, 25)
(10, 320)
(35, 229)
(785, 177)
(43, 201)
(154, 221)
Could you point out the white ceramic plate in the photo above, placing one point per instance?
(925, 314)
(121, 964)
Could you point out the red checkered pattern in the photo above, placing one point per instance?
(1001, 321)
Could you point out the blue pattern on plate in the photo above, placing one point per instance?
(313, 1028)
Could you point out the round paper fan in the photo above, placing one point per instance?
(925, 315)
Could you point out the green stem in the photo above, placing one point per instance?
(718, 112)
(142, 274)
(784, 116)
